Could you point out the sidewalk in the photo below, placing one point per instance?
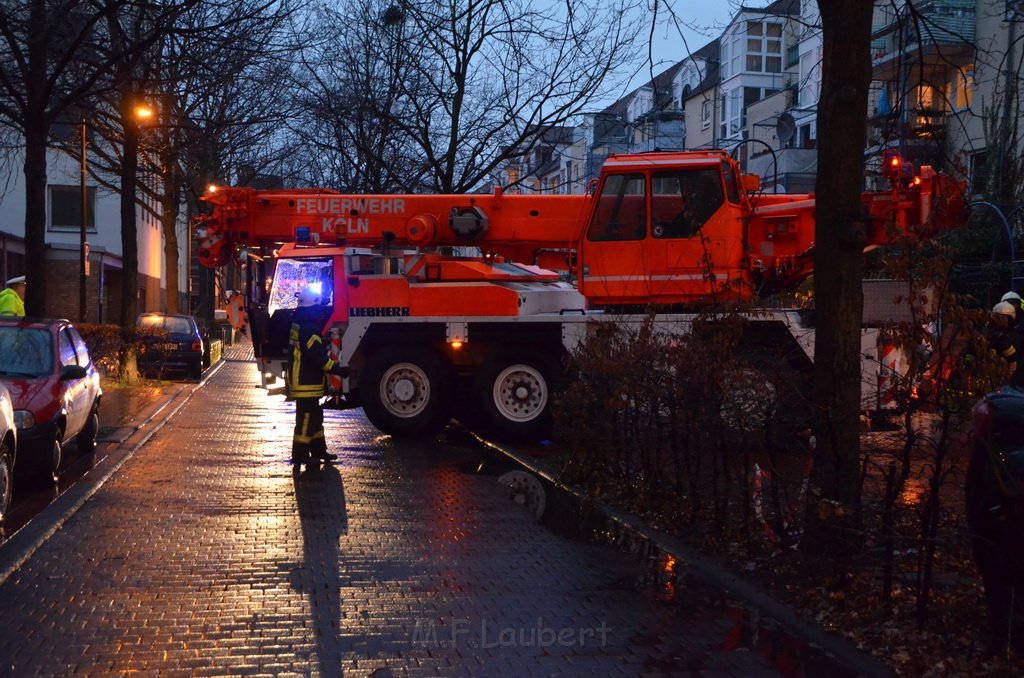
(129, 416)
(205, 555)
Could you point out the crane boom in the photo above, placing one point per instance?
(514, 226)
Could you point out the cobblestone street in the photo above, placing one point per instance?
(205, 555)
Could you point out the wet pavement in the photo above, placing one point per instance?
(203, 552)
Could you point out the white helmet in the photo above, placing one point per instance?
(308, 297)
(1004, 308)
(1011, 296)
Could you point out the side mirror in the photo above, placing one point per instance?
(751, 183)
(69, 372)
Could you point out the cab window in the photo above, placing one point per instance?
(683, 201)
(621, 212)
(732, 186)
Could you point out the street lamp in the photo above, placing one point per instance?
(141, 113)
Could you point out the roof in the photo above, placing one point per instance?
(777, 8)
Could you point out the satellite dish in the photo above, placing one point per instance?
(785, 128)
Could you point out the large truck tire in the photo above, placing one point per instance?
(406, 391)
(512, 394)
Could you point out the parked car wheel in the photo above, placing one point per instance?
(86, 439)
(49, 471)
(6, 479)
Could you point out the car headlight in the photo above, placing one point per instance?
(24, 419)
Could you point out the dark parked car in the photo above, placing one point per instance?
(172, 345)
(55, 390)
(994, 508)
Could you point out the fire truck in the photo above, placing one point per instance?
(466, 305)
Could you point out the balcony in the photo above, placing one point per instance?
(919, 124)
(943, 33)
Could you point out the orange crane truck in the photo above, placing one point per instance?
(430, 332)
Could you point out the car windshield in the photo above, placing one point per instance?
(167, 324)
(25, 352)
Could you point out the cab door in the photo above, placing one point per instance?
(696, 241)
(613, 267)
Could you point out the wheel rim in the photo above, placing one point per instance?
(405, 390)
(520, 393)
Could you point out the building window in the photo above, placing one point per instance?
(810, 77)
(963, 87)
(66, 208)
(705, 113)
(764, 47)
(732, 113)
(926, 98)
(979, 173)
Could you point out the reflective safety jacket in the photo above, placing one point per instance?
(308, 361)
(11, 304)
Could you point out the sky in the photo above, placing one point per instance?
(682, 26)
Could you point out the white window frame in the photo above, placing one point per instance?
(763, 46)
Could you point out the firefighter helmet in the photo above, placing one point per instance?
(1012, 297)
(308, 297)
(1004, 308)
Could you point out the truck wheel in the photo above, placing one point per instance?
(762, 393)
(512, 393)
(6, 479)
(406, 391)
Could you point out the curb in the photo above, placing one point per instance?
(707, 569)
(25, 542)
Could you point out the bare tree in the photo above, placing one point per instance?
(456, 86)
(53, 54)
(215, 82)
(348, 90)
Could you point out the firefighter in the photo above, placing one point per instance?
(1018, 308)
(308, 367)
(1014, 299)
(1004, 336)
(12, 299)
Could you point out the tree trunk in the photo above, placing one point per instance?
(37, 128)
(169, 223)
(35, 218)
(129, 228)
(840, 237)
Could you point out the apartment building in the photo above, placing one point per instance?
(103, 235)
(941, 73)
(924, 102)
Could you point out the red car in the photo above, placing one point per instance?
(8, 449)
(55, 390)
